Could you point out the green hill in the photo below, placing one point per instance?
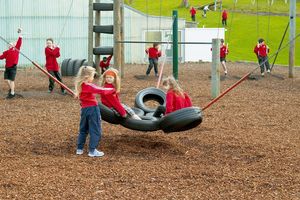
(245, 24)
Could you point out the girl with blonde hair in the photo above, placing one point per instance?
(176, 98)
(90, 118)
(111, 79)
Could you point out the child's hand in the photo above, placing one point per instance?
(19, 30)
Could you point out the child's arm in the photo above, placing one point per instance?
(169, 104)
(99, 90)
(188, 100)
(115, 102)
(108, 59)
(3, 56)
(19, 43)
(52, 52)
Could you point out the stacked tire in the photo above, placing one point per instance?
(70, 67)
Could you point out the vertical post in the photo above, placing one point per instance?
(97, 38)
(175, 44)
(90, 33)
(292, 36)
(215, 5)
(117, 35)
(122, 38)
(215, 68)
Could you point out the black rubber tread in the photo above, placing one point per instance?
(103, 50)
(108, 115)
(70, 67)
(64, 66)
(141, 125)
(148, 94)
(108, 29)
(181, 120)
(138, 111)
(103, 6)
(77, 65)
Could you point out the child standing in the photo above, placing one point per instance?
(261, 50)
(176, 98)
(223, 53)
(11, 57)
(90, 118)
(205, 9)
(224, 18)
(104, 63)
(193, 13)
(51, 53)
(153, 55)
(111, 79)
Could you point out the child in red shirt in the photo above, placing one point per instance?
(104, 63)
(11, 57)
(90, 119)
(224, 17)
(111, 79)
(176, 98)
(193, 13)
(153, 54)
(261, 50)
(52, 53)
(223, 53)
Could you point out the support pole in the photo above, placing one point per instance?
(97, 38)
(117, 35)
(292, 36)
(122, 37)
(175, 44)
(215, 68)
(90, 33)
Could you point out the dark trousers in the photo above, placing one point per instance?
(193, 18)
(90, 122)
(153, 62)
(51, 81)
(224, 22)
(263, 61)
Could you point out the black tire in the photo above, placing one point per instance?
(77, 65)
(149, 94)
(181, 120)
(108, 115)
(138, 111)
(141, 125)
(64, 66)
(70, 67)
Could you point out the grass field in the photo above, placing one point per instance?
(244, 26)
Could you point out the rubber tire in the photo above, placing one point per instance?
(138, 111)
(108, 115)
(181, 120)
(148, 94)
(141, 125)
(64, 66)
(70, 67)
(77, 65)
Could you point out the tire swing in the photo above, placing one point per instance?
(145, 124)
(149, 94)
(181, 120)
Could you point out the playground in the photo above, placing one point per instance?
(247, 146)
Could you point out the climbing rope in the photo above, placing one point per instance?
(63, 28)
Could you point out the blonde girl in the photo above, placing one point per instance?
(90, 119)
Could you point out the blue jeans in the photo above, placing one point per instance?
(90, 122)
(153, 62)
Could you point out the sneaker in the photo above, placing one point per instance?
(10, 96)
(49, 91)
(262, 74)
(79, 151)
(9, 91)
(156, 75)
(63, 92)
(225, 73)
(96, 153)
(268, 71)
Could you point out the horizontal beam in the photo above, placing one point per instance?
(103, 6)
(103, 50)
(109, 29)
(163, 42)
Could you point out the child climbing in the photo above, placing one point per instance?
(11, 57)
(223, 53)
(111, 79)
(52, 52)
(261, 50)
(104, 63)
(153, 55)
(176, 98)
(90, 118)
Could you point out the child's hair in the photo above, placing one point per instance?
(84, 73)
(104, 58)
(260, 40)
(50, 39)
(113, 72)
(222, 40)
(155, 44)
(170, 80)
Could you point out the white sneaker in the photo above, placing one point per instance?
(96, 153)
(136, 117)
(268, 71)
(79, 151)
(262, 74)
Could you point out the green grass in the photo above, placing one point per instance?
(244, 27)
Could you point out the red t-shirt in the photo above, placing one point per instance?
(193, 11)
(11, 55)
(223, 51)
(51, 55)
(261, 50)
(175, 102)
(105, 64)
(153, 52)
(87, 97)
(113, 101)
(224, 15)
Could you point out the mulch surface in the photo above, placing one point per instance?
(247, 146)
